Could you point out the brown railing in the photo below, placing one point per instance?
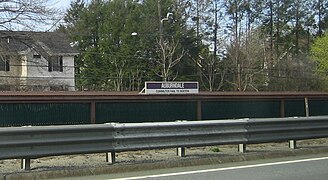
(93, 98)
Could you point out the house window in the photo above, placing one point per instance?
(55, 64)
(37, 56)
(4, 63)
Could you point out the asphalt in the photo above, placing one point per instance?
(180, 162)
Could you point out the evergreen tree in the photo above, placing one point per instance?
(242, 45)
(120, 59)
(90, 61)
(321, 14)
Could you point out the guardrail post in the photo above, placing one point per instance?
(110, 157)
(26, 164)
(242, 148)
(292, 144)
(181, 151)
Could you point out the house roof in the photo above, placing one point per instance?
(45, 43)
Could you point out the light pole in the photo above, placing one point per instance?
(168, 17)
(161, 42)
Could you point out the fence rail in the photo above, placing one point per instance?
(41, 141)
(64, 108)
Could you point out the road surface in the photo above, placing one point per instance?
(299, 168)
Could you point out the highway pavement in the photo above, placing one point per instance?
(314, 167)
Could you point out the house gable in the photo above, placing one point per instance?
(45, 43)
(39, 53)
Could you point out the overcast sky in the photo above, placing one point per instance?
(63, 4)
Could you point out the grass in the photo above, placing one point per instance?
(215, 149)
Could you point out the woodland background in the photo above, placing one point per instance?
(225, 45)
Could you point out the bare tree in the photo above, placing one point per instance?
(213, 72)
(28, 14)
(168, 58)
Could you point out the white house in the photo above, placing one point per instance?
(40, 61)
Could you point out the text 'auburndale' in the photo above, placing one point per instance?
(173, 85)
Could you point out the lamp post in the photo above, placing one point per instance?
(161, 40)
(168, 17)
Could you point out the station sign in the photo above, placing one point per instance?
(171, 87)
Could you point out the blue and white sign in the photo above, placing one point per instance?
(171, 87)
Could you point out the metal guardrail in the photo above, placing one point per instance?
(41, 141)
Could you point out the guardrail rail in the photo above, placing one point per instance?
(41, 141)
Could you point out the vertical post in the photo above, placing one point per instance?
(93, 112)
(306, 103)
(110, 157)
(160, 22)
(199, 110)
(239, 74)
(292, 144)
(181, 151)
(26, 164)
(282, 108)
(242, 148)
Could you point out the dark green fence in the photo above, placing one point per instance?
(318, 107)
(129, 112)
(294, 108)
(13, 114)
(240, 109)
(127, 109)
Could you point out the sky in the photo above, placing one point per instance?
(60, 5)
(63, 4)
(23, 24)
